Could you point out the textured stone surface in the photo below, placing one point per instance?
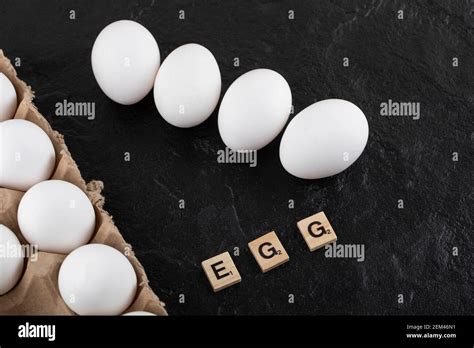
(408, 251)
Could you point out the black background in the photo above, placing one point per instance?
(408, 251)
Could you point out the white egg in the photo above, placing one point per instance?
(8, 99)
(125, 59)
(254, 110)
(188, 86)
(96, 279)
(11, 259)
(324, 139)
(56, 216)
(139, 313)
(26, 155)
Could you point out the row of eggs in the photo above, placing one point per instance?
(322, 140)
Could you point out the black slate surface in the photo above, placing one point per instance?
(408, 251)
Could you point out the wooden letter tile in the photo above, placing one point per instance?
(317, 231)
(221, 271)
(268, 251)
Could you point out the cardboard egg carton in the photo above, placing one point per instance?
(37, 291)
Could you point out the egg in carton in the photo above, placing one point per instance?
(37, 292)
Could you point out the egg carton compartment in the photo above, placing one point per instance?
(37, 291)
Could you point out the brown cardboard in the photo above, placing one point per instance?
(37, 292)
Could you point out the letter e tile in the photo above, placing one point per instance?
(221, 271)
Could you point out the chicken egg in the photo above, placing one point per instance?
(8, 98)
(139, 313)
(125, 59)
(56, 216)
(11, 259)
(324, 139)
(26, 154)
(188, 86)
(96, 279)
(255, 108)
